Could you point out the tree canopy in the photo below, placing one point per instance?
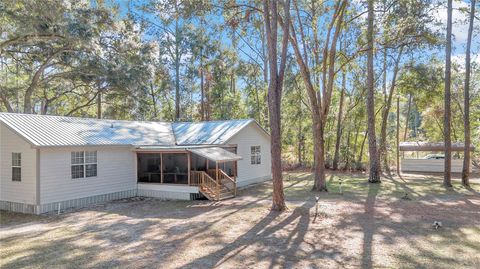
(195, 60)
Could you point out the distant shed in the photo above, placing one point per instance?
(427, 164)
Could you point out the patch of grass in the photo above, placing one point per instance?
(368, 226)
(298, 185)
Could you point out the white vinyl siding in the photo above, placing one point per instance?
(23, 191)
(430, 165)
(250, 136)
(116, 173)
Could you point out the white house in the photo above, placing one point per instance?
(51, 162)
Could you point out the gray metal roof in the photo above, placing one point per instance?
(42, 130)
(207, 132)
(216, 154)
(431, 146)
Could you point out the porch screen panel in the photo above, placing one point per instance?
(149, 165)
(175, 168)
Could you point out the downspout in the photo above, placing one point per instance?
(37, 185)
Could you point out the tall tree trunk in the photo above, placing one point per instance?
(320, 181)
(347, 153)
(202, 89)
(208, 111)
(232, 82)
(5, 101)
(320, 103)
(415, 121)
(45, 103)
(277, 72)
(259, 109)
(362, 147)
(398, 136)
(447, 181)
(300, 137)
(386, 110)
(374, 175)
(154, 101)
(99, 105)
(355, 142)
(27, 102)
(409, 107)
(466, 102)
(339, 124)
(274, 101)
(177, 65)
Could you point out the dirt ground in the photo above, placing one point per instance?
(360, 225)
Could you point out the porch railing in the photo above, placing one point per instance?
(227, 181)
(207, 182)
(196, 178)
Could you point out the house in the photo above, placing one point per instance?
(51, 162)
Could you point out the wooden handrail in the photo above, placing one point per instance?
(225, 175)
(211, 184)
(230, 181)
(196, 178)
(204, 180)
(207, 180)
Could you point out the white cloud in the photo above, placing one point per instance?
(460, 24)
(459, 59)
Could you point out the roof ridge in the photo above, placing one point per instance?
(79, 118)
(96, 119)
(207, 121)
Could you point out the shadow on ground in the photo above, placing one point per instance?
(360, 225)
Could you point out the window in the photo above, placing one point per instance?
(84, 164)
(90, 163)
(16, 166)
(256, 156)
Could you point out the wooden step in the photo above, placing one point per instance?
(210, 194)
(228, 196)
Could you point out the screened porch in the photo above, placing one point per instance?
(180, 166)
(212, 169)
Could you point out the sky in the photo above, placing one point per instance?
(459, 30)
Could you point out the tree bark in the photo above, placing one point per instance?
(202, 89)
(5, 102)
(409, 107)
(374, 175)
(386, 110)
(339, 125)
(466, 101)
(320, 181)
(398, 136)
(27, 102)
(447, 181)
(300, 137)
(154, 101)
(355, 142)
(177, 65)
(319, 106)
(362, 147)
(99, 105)
(277, 71)
(347, 153)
